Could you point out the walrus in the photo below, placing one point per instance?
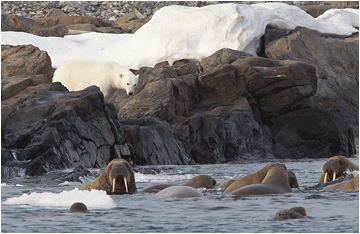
(200, 181)
(349, 185)
(258, 177)
(180, 191)
(117, 178)
(293, 180)
(78, 207)
(335, 168)
(155, 188)
(276, 181)
(226, 183)
(292, 213)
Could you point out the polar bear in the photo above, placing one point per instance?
(77, 74)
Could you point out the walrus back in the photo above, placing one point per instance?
(86, 186)
(256, 189)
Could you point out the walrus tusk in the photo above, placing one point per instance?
(325, 178)
(334, 176)
(126, 186)
(114, 185)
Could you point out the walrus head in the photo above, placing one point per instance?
(293, 180)
(293, 213)
(278, 176)
(201, 181)
(332, 170)
(78, 207)
(119, 177)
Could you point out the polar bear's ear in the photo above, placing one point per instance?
(121, 75)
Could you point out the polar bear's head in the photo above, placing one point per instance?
(129, 82)
(124, 79)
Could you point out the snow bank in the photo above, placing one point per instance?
(92, 199)
(177, 32)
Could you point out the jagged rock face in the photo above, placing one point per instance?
(337, 67)
(155, 142)
(56, 129)
(233, 105)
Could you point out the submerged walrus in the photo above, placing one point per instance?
(78, 207)
(180, 191)
(200, 181)
(258, 178)
(292, 213)
(349, 185)
(117, 178)
(276, 181)
(335, 168)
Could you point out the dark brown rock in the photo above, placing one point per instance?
(56, 31)
(115, 30)
(83, 27)
(133, 25)
(239, 98)
(18, 23)
(155, 142)
(161, 64)
(223, 131)
(337, 67)
(277, 85)
(187, 66)
(311, 133)
(25, 60)
(71, 20)
(133, 15)
(22, 24)
(131, 21)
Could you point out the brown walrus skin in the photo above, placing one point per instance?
(292, 213)
(276, 181)
(78, 207)
(335, 168)
(258, 177)
(226, 183)
(120, 171)
(201, 181)
(349, 185)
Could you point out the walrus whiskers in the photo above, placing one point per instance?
(325, 177)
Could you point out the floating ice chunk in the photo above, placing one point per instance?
(93, 199)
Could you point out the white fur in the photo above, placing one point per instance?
(77, 74)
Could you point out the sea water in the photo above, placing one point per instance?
(40, 204)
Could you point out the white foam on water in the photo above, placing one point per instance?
(93, 199)
(161, 178)
(177, 32)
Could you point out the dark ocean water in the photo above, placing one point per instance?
(39, 204)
